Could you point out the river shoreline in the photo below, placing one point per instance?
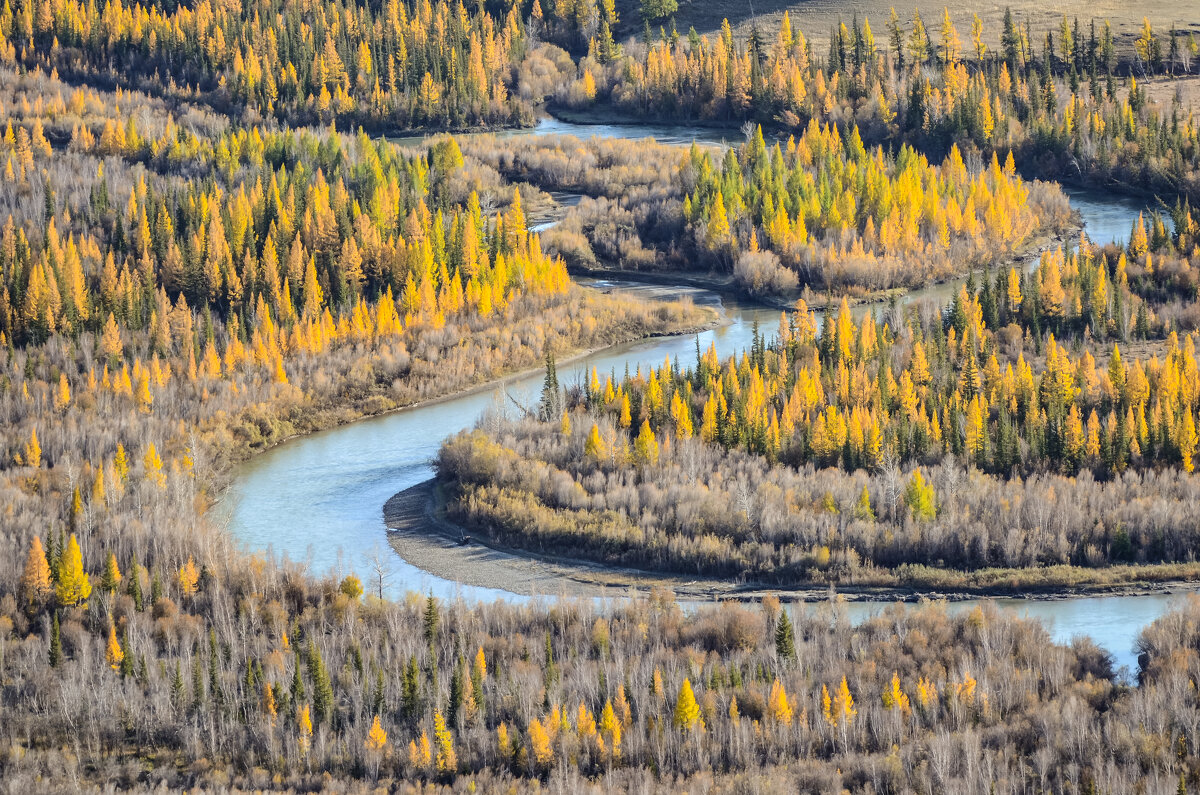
(347, 415)
(420, 533)
(724, 284)
(319, 501)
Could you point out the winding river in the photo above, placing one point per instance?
(317, 500)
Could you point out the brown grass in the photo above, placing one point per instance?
(817, 17)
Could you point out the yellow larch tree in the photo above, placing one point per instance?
(33, 451)
(152, 464)
(376, 738)
(1014, 291)
(894, 698)
(188, 577)
(35, 581)
(687, 711)
(838, 710)
(110, 340)
(645, 446)
(62, 393)
(305, 730)
(777, 705)
(610, 730)
(420, 752)
(113, 653)
(539, 743)
(73, 586)
(1187, 440)
(447, 760)
(594, 447)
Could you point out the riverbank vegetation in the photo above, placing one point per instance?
(305, 681)
(882, 452)
(176, 294)
(1062, 99)
(202, 253)
(821, 212)
(830, 214)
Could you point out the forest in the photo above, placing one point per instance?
(1068, 101)
(216, 234)
(863, 451)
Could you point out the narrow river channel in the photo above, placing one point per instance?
(318, 499)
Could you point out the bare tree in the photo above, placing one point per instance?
(889, 468)
(379, 560)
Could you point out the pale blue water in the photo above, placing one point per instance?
(318, 499)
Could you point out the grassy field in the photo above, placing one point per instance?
(817, 17)
(1162, 89)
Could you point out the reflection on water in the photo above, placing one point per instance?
(663, 133)
(1113, 622)
(318, 499)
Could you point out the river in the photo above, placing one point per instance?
(317, 499)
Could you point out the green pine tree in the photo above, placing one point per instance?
(431, 619)
(454, 709)
(322, 686)
(410, 689)
(785, 638)
(177, 686)
(156, 589)
(214, 669)
(134, 588)
(56, 652)
(127, 662)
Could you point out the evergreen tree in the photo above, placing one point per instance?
(410, 690)
(551, 403)
(430, 621)
(56, 651)
(454, 708)
(785, 640)
(111, 578)
(177, 686)
(322, 685)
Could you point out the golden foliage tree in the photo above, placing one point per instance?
(73, 586)
(35, 581)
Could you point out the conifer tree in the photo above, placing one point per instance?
(430, 620)
(410, 689)
(110, 580)
(134, 589)
(777, 705)
(478, 674)
(127, 662)
(594, 447)
(785, 639)
(114, 653)
(376, 737)
(645, 447)
(687, 711)
(454, 708)
(73, 587)
(322, 685)
(35, 581)
(447, 759)
(56, 651)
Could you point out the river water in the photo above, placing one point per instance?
(317, 500)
